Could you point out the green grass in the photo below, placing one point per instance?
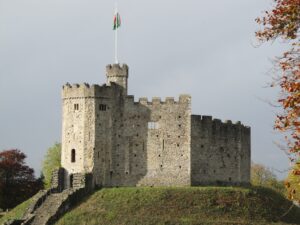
(190, 205)
(17, 212)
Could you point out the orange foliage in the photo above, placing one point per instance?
(284, 21)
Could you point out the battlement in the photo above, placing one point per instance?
(117, 70)
(183, 99)
(226, 128)
(83, 90)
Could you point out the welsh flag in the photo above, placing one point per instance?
(117, 21)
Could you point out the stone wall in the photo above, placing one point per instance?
(57, 179)
(220, 152)
(167, 141)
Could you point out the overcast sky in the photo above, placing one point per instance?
(203, 48)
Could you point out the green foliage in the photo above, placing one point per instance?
(264, 177)
(187, 205)
(51, 162)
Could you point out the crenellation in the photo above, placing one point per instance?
(184, 98)
(156, 100)
(117, 70)
(206, 119)
(143, 100)
(238, 123)
(130, 99)
(169, 100)
(228, 122)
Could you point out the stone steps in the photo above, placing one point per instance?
(49, 208)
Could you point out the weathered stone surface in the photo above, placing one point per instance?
(57, 180)
(152, 143)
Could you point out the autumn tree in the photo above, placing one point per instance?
(17, 181)
(283, 22)
(293, 182)
(51, 162)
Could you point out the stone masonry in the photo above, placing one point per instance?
(122, 142)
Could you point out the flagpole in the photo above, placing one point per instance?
(116, 37)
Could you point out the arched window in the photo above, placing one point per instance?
(73, 155)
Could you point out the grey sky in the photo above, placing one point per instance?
(203, 48)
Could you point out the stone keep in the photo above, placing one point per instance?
(146, 143)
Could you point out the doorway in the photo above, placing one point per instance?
(71, 181)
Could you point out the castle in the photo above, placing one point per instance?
(120, 142)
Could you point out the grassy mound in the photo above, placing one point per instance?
(17, 212)
(190, 205)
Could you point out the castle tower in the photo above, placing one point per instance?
(117, 74)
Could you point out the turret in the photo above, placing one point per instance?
(117, 74)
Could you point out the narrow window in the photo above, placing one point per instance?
(73, 156)
(102, 107)
(76, 106)
(163, 144)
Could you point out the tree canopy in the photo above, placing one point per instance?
(17, 180)
(51, 162)
(263, 176)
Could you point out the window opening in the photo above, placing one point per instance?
(102, 107)
(76, 106)
(73, 156)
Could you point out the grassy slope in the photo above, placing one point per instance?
(196, 205)
(17, 212)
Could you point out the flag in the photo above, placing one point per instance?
(117, 21)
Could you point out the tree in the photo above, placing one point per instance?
(283, 21)
(17, 181)
(51, 162)
(262, 176)
(293, 181)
